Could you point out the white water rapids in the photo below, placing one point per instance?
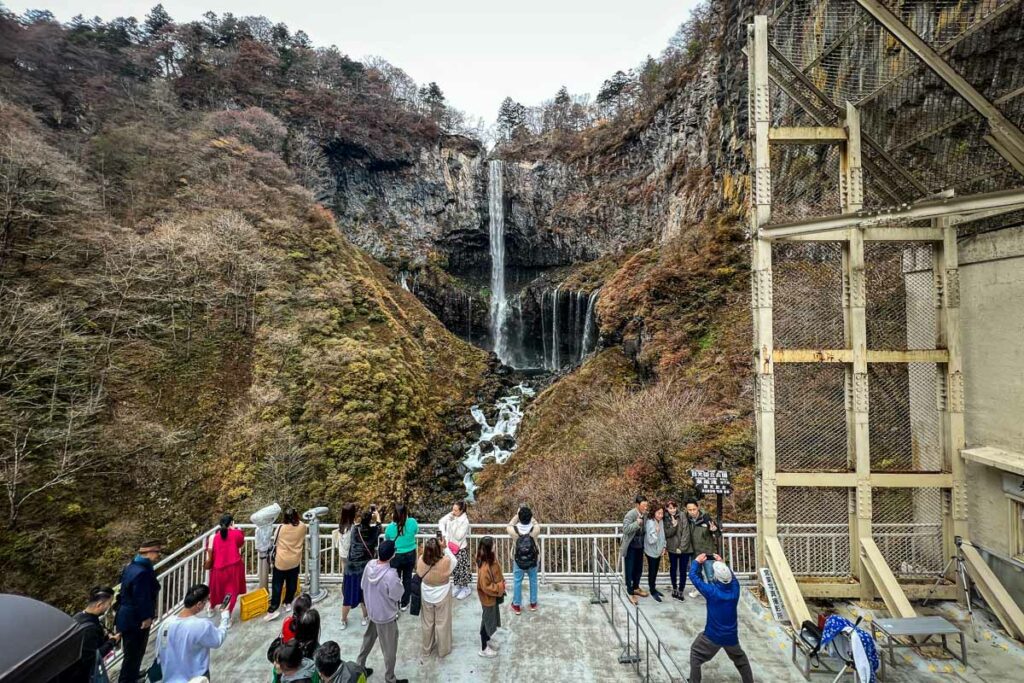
(489, 446)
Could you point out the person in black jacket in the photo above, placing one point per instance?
(96, 644)
(137, 609)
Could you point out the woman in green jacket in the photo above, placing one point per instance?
(402, 531)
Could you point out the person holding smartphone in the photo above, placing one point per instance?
(362, 548)
(184, 641)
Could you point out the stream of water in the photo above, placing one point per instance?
(496, 444)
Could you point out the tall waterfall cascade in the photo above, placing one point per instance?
(499, 302)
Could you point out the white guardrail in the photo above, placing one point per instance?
(567, 555)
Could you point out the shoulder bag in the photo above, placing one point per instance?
(208, 560)
(416, 591)
(272, 554)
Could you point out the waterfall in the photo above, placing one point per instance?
(543, 330)
(556, 361)
(589, 326)
(499, 306)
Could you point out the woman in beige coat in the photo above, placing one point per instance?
(435, 566)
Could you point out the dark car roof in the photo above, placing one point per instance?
(39, 641)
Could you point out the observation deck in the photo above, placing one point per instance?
(585, 630)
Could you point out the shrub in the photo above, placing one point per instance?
(253, 126)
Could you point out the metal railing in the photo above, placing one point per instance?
(642, 648)
(566, 550)
(567, 556)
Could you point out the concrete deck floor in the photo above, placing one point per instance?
(570, 639)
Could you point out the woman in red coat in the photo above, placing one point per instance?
(227, 571)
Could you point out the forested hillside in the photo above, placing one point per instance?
(183, 328)
(220, 243)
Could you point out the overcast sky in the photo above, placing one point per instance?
(478, 51)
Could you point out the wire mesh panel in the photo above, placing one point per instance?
(810, 418)
(925, 127)
(805, 181)
(904, 422)
(814, 529)
(807, 295)
(907, 527)
(901, 296)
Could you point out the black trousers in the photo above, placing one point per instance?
(634, 568)
(289, 579)
(678, 566)
(134, 644)
(653, 563)
(404, 564)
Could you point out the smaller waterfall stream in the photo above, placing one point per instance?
(496, 443)
(589, 326)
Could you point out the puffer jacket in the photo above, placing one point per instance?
(361, 549)
(704, 540)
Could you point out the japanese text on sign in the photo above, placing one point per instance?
(711, 481)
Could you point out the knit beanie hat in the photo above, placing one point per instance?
(386, 551)
(722, 572)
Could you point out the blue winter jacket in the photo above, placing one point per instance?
(139, 589)
(722, 600)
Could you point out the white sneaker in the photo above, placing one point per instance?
(288, 607)
(344, 625)
(272, 615)
(365, 621)
(488, 652)
(694, 594)
(403, 608)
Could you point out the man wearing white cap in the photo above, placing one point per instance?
(720, 632)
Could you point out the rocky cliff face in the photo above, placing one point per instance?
(626, 184)
(402, 212)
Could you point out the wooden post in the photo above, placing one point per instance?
(761, 286)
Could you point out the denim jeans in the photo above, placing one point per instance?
(517, 581)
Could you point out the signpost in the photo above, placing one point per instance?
(714, 481)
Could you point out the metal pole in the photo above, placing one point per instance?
(313, 517)
(718, 515)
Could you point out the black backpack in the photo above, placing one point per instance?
(526, 552)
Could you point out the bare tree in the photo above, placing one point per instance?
(33, 461)
(39, 189)
(649, 426)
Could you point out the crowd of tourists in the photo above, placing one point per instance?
(384, 575)
(386, 572)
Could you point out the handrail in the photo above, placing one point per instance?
(637, 626)
(566, 556)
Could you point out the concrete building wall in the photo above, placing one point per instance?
(992, 335)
